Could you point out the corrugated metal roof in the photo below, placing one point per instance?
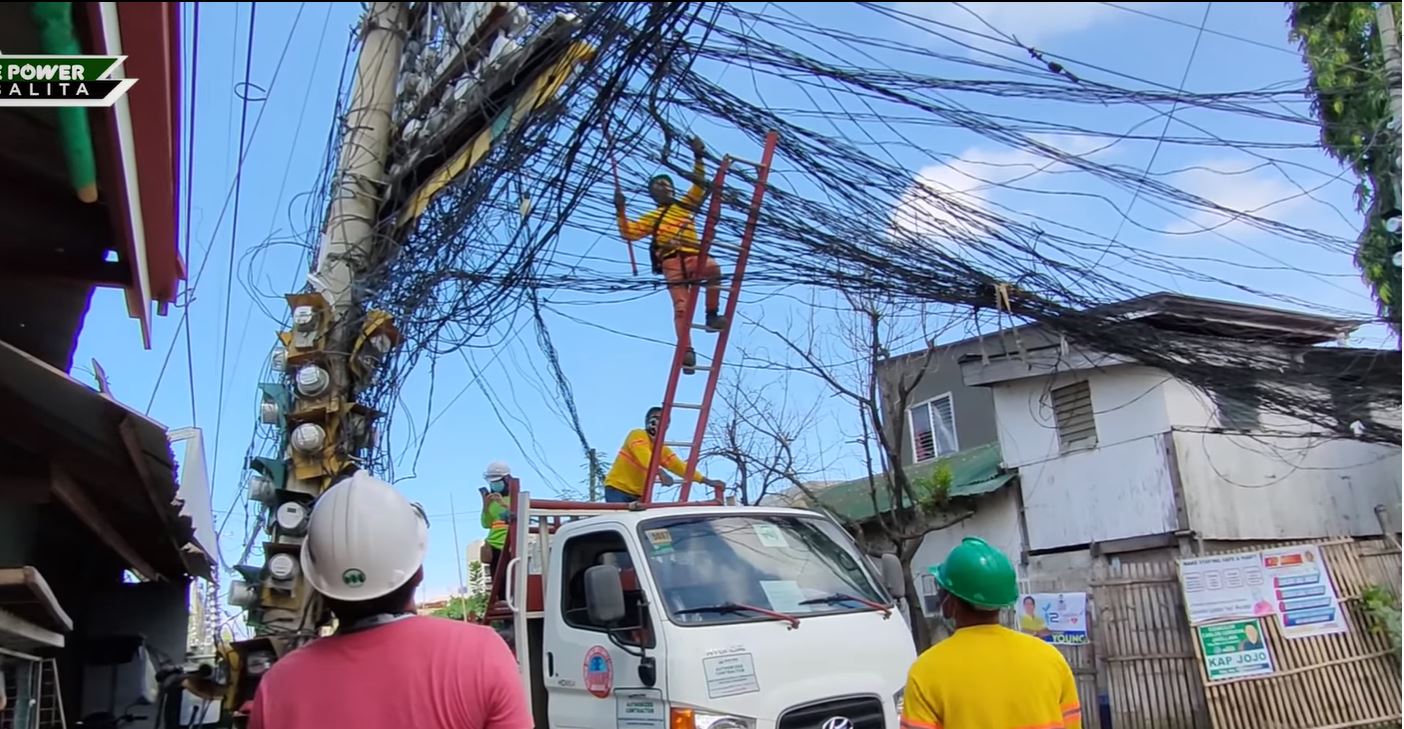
(974, 472)
(119, 459)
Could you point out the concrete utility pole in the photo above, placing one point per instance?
(1389, 38)
(365, 149)
(408, 97)
(347, 245)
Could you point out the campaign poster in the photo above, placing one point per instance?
(1304, 597)
(1235, 650)
(1055, 617)
(1226, 586)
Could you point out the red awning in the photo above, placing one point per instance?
(146, 128)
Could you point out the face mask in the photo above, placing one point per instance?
(498, 487)
(947, 621)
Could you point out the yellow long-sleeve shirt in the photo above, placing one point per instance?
(673, 225)
(990, 676)
(630, 466)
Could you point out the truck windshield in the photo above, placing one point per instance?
(708, 568)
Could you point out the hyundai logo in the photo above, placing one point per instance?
(837, 722)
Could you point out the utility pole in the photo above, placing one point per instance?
(365, 148)
(325, 383)
(404, 119)
(1389, 39)
(328, 354)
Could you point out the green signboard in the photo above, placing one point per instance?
(1235, 650)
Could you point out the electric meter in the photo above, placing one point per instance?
(282, 566)
(309, 437)
(312, 381)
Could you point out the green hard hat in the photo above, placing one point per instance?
(978, 574)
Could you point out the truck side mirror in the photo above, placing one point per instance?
(604, 594)
(892, 577)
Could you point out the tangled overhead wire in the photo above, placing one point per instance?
(849, 211)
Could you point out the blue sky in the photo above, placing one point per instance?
(615, 378)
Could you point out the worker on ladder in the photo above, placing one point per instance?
(676, 247)
(625, 481)
(385, 666)
(497, 510)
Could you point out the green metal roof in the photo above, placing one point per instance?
(974, 471)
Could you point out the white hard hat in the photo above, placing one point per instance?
(364, 540)
(496, 470)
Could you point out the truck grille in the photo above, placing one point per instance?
(863, 712)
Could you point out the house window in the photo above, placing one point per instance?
(1072, 413)
(933, 429)
(1238, 408)
(929, 594)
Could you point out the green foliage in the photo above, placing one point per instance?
(1345, 56)
(473, 606)
(934, 489)
(1383, 609)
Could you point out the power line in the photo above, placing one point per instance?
(1202, 29)
(224, 210)
(1169, 117)
(189, 198)
(233, 240)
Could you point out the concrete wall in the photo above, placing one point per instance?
(996, 520)
(974, 406)
(1120, 489)
(1128, 403)
(1112, 492)
(1268, 485)
(1244, 487)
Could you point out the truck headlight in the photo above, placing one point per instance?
(697, 719)
(897, 699)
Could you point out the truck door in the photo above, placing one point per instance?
(591, 681)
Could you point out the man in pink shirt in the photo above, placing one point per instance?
(385, 666)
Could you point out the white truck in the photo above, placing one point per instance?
(675, 616)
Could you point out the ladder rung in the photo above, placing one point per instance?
(688, 405)
(699, 327)
(746, 161)
(699, 368)
(677, 443)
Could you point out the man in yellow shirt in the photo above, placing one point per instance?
(676, 249)
(986, 675)
(625, 481)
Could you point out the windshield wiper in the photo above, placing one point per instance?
(736, 607)
(840, 597)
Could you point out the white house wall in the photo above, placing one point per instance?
(1265, 487)
(1111, 492)
(996, 521)
(1128, 403)
(1120, 489)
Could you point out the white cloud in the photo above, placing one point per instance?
(1034, 24)
(1261, 192)
(943, 197)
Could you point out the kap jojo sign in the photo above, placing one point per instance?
(61, 81)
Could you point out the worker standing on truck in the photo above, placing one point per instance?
(986, 675)
(625, 481)
(385, 666)
(676, 248)
(497, 510)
